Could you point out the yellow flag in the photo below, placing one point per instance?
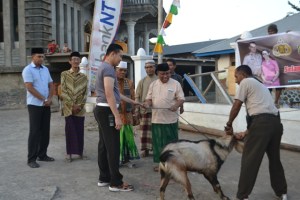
(158, 48)
(169, 17)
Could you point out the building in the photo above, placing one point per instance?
(25, 24)
(224, 53)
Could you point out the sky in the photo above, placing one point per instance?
(202, 20)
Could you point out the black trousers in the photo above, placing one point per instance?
(264, 136)
(39, 131)
(108, 148)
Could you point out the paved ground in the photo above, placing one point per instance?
(77, 180)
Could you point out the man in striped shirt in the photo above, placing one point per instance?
(74, 94)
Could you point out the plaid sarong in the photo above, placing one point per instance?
(146, 134)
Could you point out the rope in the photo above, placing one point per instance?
(185, 121)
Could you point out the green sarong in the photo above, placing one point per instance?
(128, 149)
(163, 134)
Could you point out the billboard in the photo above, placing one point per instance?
(284, 51)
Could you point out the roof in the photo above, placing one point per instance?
(290, 22)
(187, 48)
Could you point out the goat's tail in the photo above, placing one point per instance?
(163, 169)
(163, 166)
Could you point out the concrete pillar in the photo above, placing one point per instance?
(22, 35)
(146, 41)
(130, 30)
(198, 79)
(139, 65)
(7, 29)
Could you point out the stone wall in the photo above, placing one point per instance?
(12, 91)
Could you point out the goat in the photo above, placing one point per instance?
(205, 157)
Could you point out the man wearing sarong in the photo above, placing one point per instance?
(74, 94)
(145, 114)
(165, 96)
(128, 149)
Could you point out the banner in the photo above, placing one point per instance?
(106, 19)
(284, 50)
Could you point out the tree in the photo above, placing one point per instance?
(294, 6)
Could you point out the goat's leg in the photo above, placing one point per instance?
(164, 180)
(216, 185)
(182, 178)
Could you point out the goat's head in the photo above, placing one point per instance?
(229, 142)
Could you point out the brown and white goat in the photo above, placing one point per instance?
(205, 157)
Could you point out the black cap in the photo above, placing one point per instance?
(162, 67)
(75, 54)
(37, 51)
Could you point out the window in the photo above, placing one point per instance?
(1, 21)
(65, 23)
(58, 18)
(72, 28)
(79, 30)
(15, 30)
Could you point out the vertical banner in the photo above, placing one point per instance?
(106, 19)
(279, 53)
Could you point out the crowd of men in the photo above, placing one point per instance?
(157, 103)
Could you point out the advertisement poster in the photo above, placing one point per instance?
(284, 52)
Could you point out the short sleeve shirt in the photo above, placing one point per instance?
(106, 70)
(256, 97)
(40, 79)
(163, 96)
(253, 60)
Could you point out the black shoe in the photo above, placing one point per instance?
(46, 159)
(33, 164)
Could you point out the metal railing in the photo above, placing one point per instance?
(201, 96)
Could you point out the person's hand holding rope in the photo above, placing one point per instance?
(228, 128)
(173, 108)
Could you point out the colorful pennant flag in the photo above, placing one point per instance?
(168, 21)
(158, 48)
(174, 10)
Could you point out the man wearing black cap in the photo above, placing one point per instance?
(74, 94)
(165, 96)
(39, 85)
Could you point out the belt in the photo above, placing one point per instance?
(263, 115)
(105, 104)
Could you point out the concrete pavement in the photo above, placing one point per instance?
(78, 180)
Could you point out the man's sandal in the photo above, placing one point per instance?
(125, 187)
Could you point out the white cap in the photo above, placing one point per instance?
(122, 65)
(84, 61)
(150, 62)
